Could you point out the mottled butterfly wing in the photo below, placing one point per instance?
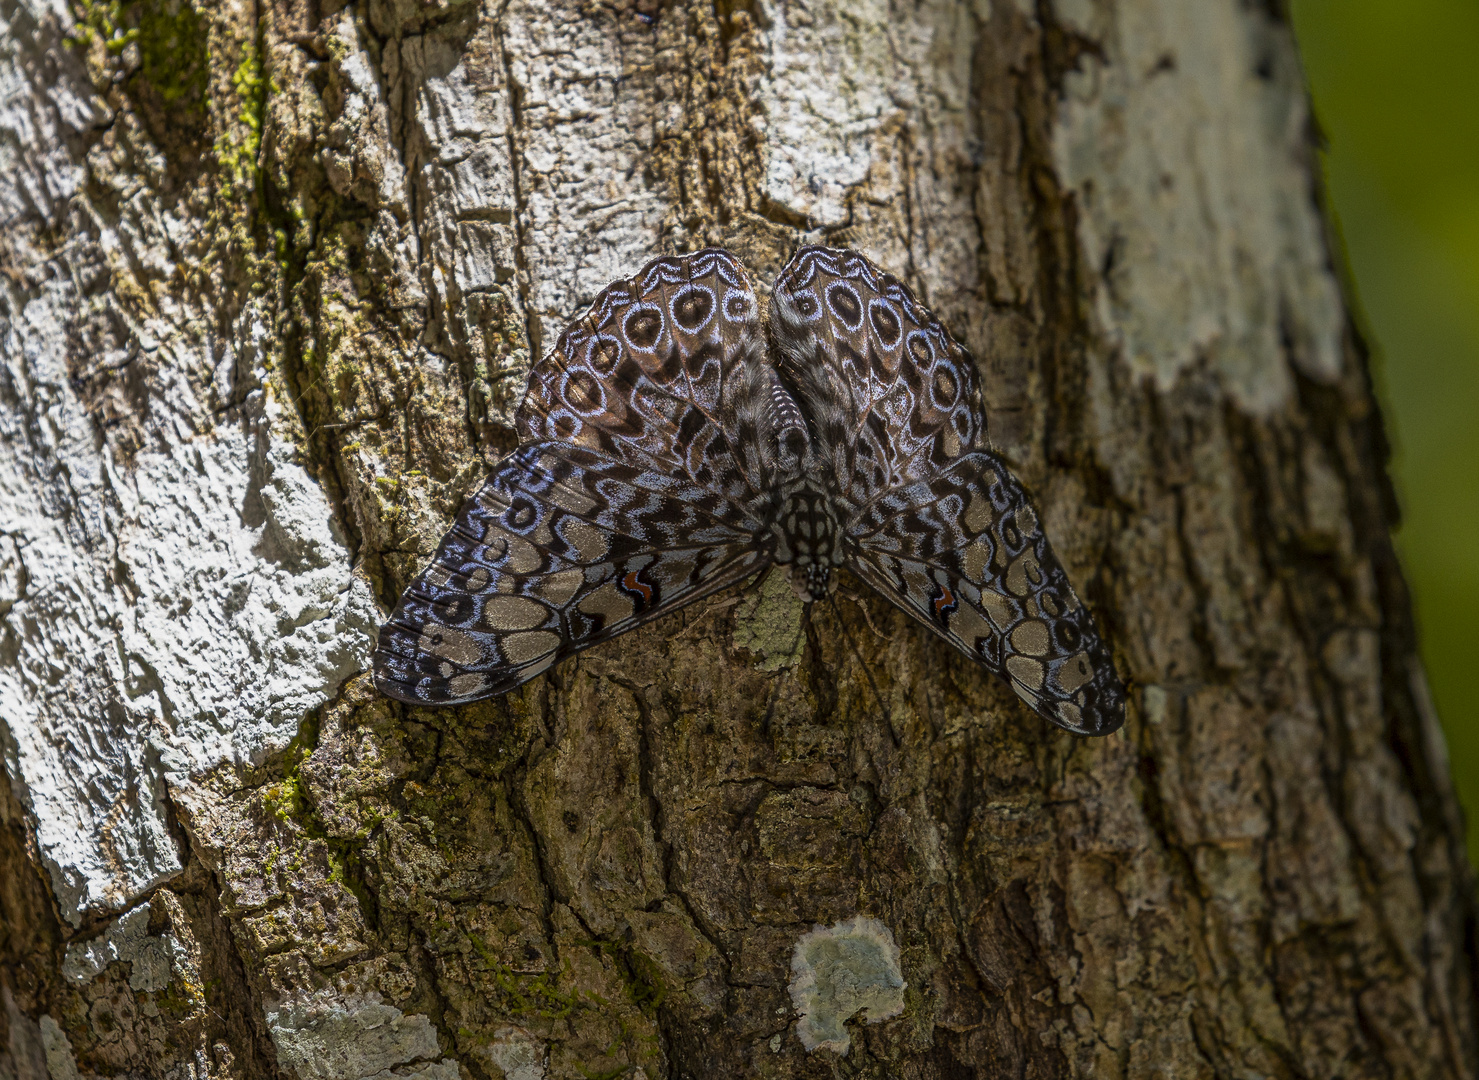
(931, 519)
(635, 491)
(659, 445)
(963, 553)
(561, 549)
(892, 397)
(656, 374)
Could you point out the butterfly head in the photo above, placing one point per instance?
(814, 581)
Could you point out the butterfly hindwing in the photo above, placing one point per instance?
(964, 553)
(561, 549)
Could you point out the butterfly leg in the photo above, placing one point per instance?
(716, 606)
(856, 599)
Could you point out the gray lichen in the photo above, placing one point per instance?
(839, 971)
(127, 940)
(768, 622)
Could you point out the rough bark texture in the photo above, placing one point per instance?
(273, 276)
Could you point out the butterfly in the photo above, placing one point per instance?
(679, 439)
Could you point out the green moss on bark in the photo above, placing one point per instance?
(158, 52)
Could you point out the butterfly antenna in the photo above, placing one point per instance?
(868, 671)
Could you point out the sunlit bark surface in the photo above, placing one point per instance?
(273, 277)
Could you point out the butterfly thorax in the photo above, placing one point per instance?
(808, 539)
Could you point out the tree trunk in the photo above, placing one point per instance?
(273, 278)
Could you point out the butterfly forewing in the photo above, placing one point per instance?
(561, 549)
(649, 374)
(893, 397)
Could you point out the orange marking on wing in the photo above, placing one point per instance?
(945, 600)
(632, 583)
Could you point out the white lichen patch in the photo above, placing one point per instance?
(246, 611)
(840, 971)
(127, 940)
(1185, 144)
(203, 610)
(61, 1061)
(516, 1053)
(842, 79)
(347, 1040)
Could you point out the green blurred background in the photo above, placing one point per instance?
(1396, 90)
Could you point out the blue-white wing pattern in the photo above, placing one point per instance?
(651, 373)
(963, 552)
(560, 550)
(893, 396)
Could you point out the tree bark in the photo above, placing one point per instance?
(273, 278)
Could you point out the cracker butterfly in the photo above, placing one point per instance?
(675, 442)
